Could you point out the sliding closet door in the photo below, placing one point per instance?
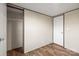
(72, 30)
(58, 30)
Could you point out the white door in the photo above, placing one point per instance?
(3, 29)
(58, 30)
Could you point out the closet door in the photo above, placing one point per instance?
(3, 29)
(72, 30)
(58, 30)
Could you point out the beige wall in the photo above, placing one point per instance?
(38, 30)
(72, 30)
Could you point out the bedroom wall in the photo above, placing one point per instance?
(38, 30)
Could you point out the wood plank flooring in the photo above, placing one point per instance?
(48, 50)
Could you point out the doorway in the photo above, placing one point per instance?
(58, 30)
(15, 29)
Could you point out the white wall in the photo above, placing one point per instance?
(38, 30)
(15, 29)
(72, 30)
(3, 25)
(58, 30)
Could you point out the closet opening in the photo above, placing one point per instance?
(15, 30)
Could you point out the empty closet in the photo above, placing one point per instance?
(14, 28)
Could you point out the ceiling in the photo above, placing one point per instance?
(50, 9)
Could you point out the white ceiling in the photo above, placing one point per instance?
(50, 9)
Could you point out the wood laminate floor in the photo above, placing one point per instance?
(48, 50)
